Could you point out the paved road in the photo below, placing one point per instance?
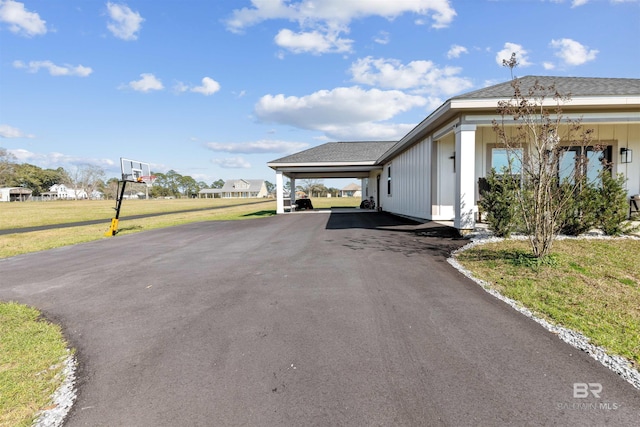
(301, 319)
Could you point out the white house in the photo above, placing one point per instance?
(237, 189)
(432, 172)
(62, 192)
(351, 190)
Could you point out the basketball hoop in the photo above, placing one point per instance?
(146, 179)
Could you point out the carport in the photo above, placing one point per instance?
(332, 160)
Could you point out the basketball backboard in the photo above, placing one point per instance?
(133, 170)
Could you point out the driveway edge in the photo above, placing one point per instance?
(617, 364)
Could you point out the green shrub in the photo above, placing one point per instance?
(499, 202)
(613, 202)
(581, 211)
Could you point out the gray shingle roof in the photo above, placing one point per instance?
(574, 86)
(359, 151)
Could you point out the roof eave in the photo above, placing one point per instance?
(276, 165)
(452, 107)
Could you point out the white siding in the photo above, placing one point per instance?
(410, 182)
(444, 179)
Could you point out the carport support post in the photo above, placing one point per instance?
(279, 193)
(293, 191)
(465, 160)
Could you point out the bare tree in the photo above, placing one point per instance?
(310, 186)
(86, 179)
(536, 138)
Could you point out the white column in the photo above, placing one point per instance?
(279, 193)
(293, 190)
(465, 162)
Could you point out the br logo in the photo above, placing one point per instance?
(582, 390)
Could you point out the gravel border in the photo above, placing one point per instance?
(62, 398)
(617, 364)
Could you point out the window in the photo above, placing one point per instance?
(585, 160)
(388, 180)
(500, 158)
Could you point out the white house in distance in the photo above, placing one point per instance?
(237, 189)
(432, 173)
(62, 192)
(351, 190)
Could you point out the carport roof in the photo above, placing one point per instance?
(360, 152)
(334, 160)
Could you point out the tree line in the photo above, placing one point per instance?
(91, 179)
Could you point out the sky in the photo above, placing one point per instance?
(215, 89)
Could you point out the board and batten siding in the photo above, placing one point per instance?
(410, 182)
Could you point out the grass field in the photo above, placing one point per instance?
(30, 214)
(177, 211)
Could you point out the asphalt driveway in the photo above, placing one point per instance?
(302, 319)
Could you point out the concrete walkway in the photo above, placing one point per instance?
(339, 319)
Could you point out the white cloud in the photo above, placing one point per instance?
(314, 42)
(322, 22)
(20, 20)
(208, 87)
(56, 159)
(548, 65)
(124, 23)
(339, 11)
(7, 131)
(262, 146)
(422, 76)
(369, 131)
(55, 70)
(577, 3)
(147, 83)
(232, 163)
(456, 51)
(573, 53)
(382, 38)
(337, 110)
(509, 48)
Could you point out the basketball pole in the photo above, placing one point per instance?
(113, 229)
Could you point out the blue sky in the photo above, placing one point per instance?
(216, 89)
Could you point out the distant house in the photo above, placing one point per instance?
(210, 193)
(62, 192)
(14, 194)
(237, 189)
(351, 190)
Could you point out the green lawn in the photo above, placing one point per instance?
(32, 355)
